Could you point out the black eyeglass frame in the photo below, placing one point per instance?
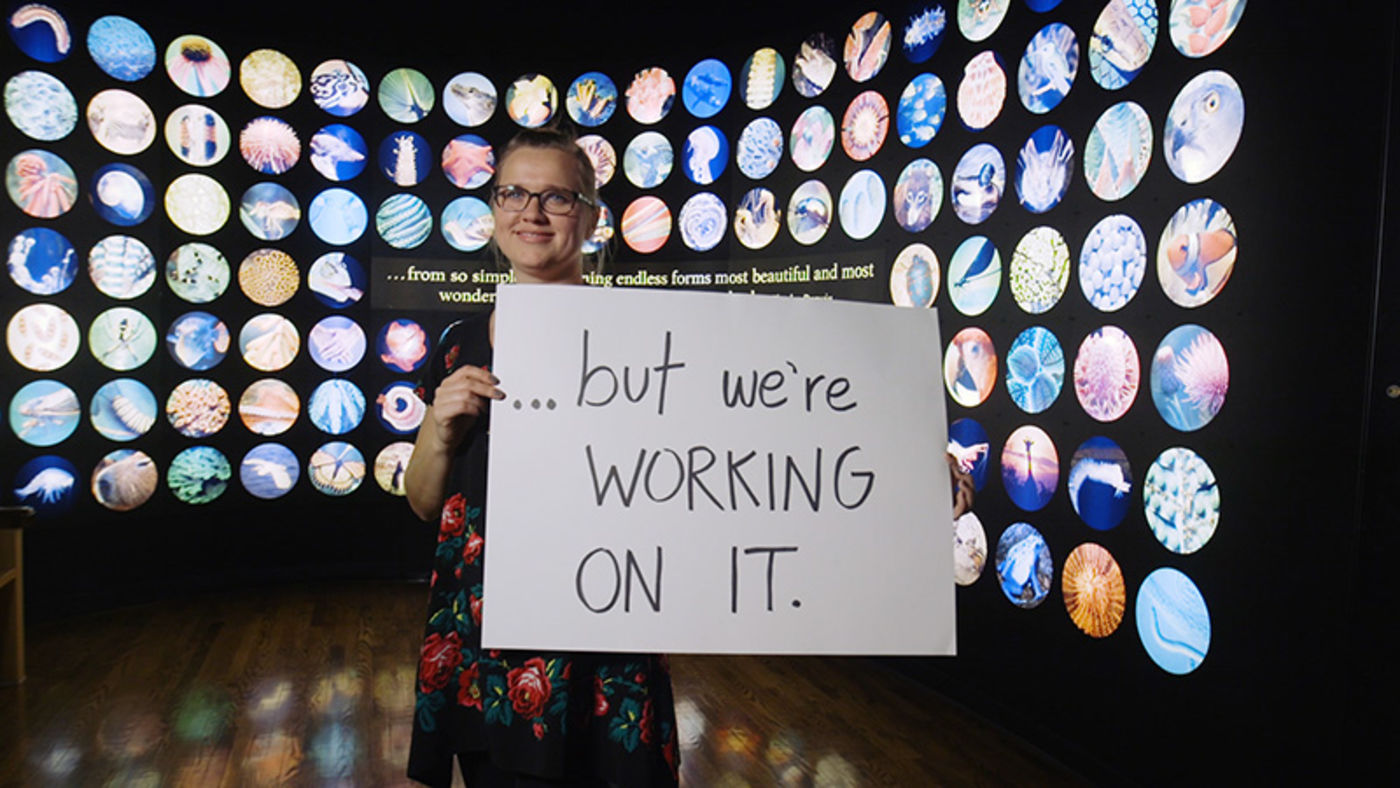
(498, 196)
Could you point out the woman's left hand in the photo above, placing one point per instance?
(963, 488)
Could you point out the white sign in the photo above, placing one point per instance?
(710, 473)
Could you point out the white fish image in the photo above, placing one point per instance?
(47, 486)
(328, 151)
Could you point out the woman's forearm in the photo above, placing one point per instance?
(425, 479)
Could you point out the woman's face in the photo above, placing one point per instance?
(542, 247)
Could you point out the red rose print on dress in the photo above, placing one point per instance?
(440, 656)
(475, 602)
(468, 690)
(449, 360)
(472, 550)
(648, 723)
(529, 688)
(454, 517)
(600, 698)
(539, 730)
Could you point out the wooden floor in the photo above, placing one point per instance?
(314, 686)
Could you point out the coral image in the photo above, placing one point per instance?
(198, 474)
(269, 277)
(198, 408)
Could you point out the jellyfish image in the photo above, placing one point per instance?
(122, 194)
(46, 483)
(705, 155)
(1203, 126)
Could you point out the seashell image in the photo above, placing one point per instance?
(918, 195)
(923, 31)
(979, 19)
(867, 47)
(269, 342)
(1182, 500)
(390, 465)
(757, 218)
(467, 224)
(969, 549)
(198, 408)
(1039, 270)
(403, 221)
(339, 88)
(970, 367)
(1118, 150)
(402, 345)
(338, 216)
(121, 266)
(197, 272)
(336, 343)
(269, 145)
(812, 139)
(914, 277)
(704, 155)
(1107, 373)
(40, 32)
(862, 205)
(269, 211)
(1044, 169)
(1196, 254)
(41, 184)
(337, 279)
(269, 407)
(338, 152)
(1190, 377)
(531, 100)
(196, 204)
(703, 221)
(706, 88)
(197, 66)
(1199, 27)
(198, 340)
(762, 78)
(1035, 369)
(982, 91)
(648, 160)
(269, 277)
(1048, 68)
(1030, 468)
(336, 406)
(42, 337)
(122, 338)
(336, 468)
(124, 479)
(399, 409)
(468, 161)
(646, 224)
(405, 158)
(122, 194)
(1025, 570)
(865, 125)
(1172, 621)
(123, 409)
(42, 261)
(1123, 37)
(270, 78)
(1203, 126)
(44, 412)
(198, 475)
(922, 107)
(1094, 591)
(602, 155)
(650, 96)
(603, 232)
(1112, 262)
(469, 99)
(121, 122)
(406, 95)
(974, 275)
(978, 183)
(47, 483)
(40, 106)
(971, 448)
(810, 212)
(198, 135)
(269, 470)
(1100, 483)
(591, 99)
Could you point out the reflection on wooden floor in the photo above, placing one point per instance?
(314, 686)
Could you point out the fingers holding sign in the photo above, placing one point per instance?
(460, 400)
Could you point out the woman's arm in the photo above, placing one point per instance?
(457, 404)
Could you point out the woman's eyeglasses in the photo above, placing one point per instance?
(556, 201)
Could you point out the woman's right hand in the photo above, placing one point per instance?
(460, 400)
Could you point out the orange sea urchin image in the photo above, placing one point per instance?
(1095, 594)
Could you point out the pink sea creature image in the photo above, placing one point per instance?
(468, 164)
(404, 345)
(43, 193)
(1107, 373)
(269, 145)
(650, 95)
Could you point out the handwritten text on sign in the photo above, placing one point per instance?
(695, 472)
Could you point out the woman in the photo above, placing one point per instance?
(513, 718)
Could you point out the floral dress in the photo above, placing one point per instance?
(574, 716)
